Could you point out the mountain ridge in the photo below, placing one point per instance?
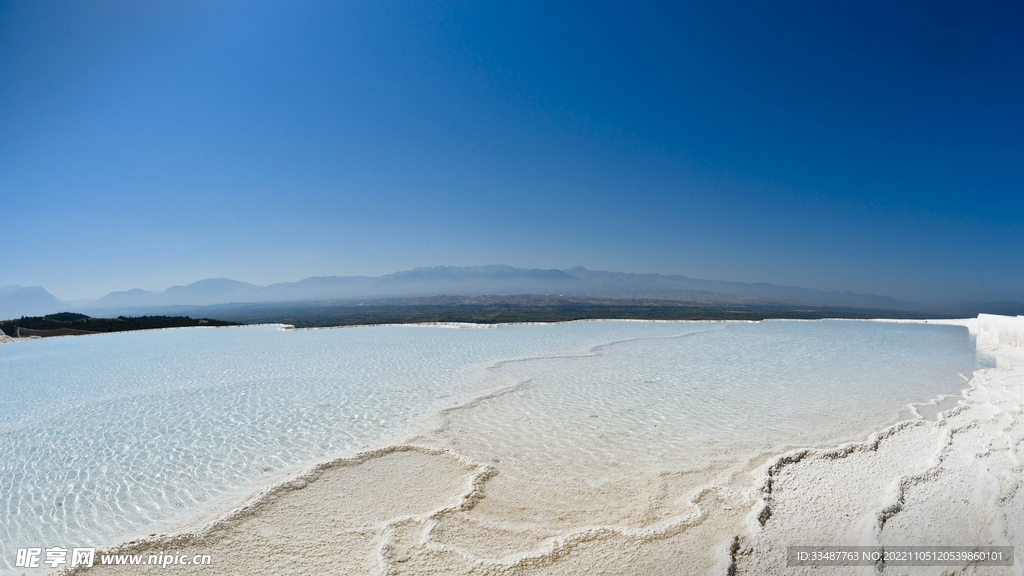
(17, 301)
(496, 279)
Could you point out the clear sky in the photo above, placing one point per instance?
(867, 146)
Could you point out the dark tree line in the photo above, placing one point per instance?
(80, 322)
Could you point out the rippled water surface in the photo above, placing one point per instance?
(102, 436)
(683, 403)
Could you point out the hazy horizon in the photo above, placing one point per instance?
(868, 148)
(489, 281)
(162, 289)
(158, 289)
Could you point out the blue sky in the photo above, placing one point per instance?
(867, 146)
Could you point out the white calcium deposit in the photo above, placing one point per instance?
(592, 448)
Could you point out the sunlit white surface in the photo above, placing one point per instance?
(102, 436)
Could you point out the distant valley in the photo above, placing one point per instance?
(468, 282)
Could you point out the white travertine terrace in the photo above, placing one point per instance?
(1005, 330)
(958, 481)
(953, 481)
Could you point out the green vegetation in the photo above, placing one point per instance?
(70, 323)
(478, 310)
(500, 315)
(512, 309)
(66, 317)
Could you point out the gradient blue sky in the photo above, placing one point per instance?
(866, 146)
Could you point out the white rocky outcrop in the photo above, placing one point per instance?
(1005, 330)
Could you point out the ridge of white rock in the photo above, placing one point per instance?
(1005, 330)
(957, 481)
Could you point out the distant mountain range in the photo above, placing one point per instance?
(17, 301)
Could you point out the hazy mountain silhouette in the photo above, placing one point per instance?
(1002, 307)
(128, 298)
(496, 280)
(452, 281)
(18, 301)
